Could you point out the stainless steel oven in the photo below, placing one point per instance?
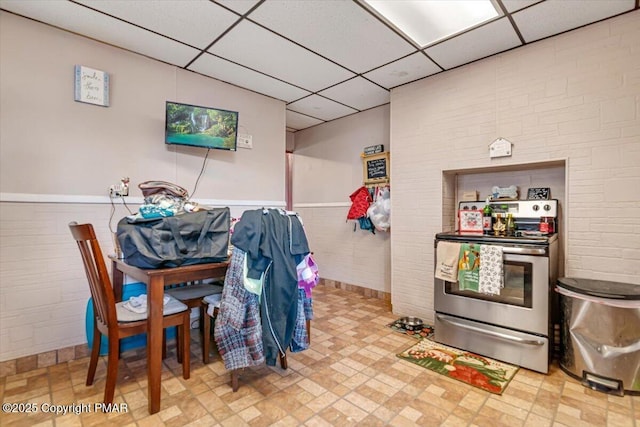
(516, 325)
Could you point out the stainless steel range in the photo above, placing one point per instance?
(516, 325)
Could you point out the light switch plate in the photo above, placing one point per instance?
(245, 141)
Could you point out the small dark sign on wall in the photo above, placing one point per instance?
(373, 149)
(376, 168)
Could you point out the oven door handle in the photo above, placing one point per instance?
(523, 251)
(494, 334)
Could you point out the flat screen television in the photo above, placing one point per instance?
(198, 126)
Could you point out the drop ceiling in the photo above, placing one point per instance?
(324, 59)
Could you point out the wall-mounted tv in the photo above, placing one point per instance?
(198, 126)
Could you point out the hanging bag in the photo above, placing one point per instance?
(185, 239)
(360, 202)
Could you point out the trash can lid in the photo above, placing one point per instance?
(601, 288)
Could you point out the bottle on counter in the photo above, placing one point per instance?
(499, 226)
(510, 226)
(487, 218)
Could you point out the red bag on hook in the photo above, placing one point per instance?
(360, 202)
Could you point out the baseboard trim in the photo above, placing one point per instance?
(366, 292)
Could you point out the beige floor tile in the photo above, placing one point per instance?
(361, 401)
(349, 377)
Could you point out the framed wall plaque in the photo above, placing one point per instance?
(91, 86)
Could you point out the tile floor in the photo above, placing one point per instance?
(349, 376)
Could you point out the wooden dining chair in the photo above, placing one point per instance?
(211, 308)
(192, 294)
(114, 320)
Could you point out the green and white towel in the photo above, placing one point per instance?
(468, 267)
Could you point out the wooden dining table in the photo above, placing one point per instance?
(156, 280)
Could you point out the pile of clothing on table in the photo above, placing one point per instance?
(163, 199)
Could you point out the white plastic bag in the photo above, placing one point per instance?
(380, 211)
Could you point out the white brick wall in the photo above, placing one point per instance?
(43, 287)
(574, 98)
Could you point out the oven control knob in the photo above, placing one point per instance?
(536, 207)
(473, 208)
(547, 207)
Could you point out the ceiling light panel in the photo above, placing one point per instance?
(229, 72)
(358, 93)
(404, 70)
(481, 42)
(197, 25)
(552, 17)
(253, 46)
(320, 108)
(339, 30)
(427, 22)
(80, 20)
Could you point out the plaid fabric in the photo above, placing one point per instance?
(300, 339)
(308, 308)
(238, 330)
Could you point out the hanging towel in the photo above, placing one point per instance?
(308, 276)
(447, 255)
(468, 266)
(491, 270)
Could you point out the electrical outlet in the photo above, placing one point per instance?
(245, 141)
(121, 189)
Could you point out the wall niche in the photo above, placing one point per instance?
(551, 174)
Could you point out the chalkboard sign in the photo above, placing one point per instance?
(376, 168)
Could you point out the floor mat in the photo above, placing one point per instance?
(478, 371)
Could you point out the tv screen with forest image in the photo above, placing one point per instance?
(198, 126)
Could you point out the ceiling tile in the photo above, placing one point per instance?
(98, 26)
(552, 17)
(321, 108)
(239, 6)
(297, 121)
(357, 93)
(197, 25)
(253, 46)
(221, 69)
(306, 53)
(413, 67)
(513, 5)
(341, 31)
(495, 37)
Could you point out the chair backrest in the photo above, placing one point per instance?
(101, 289)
